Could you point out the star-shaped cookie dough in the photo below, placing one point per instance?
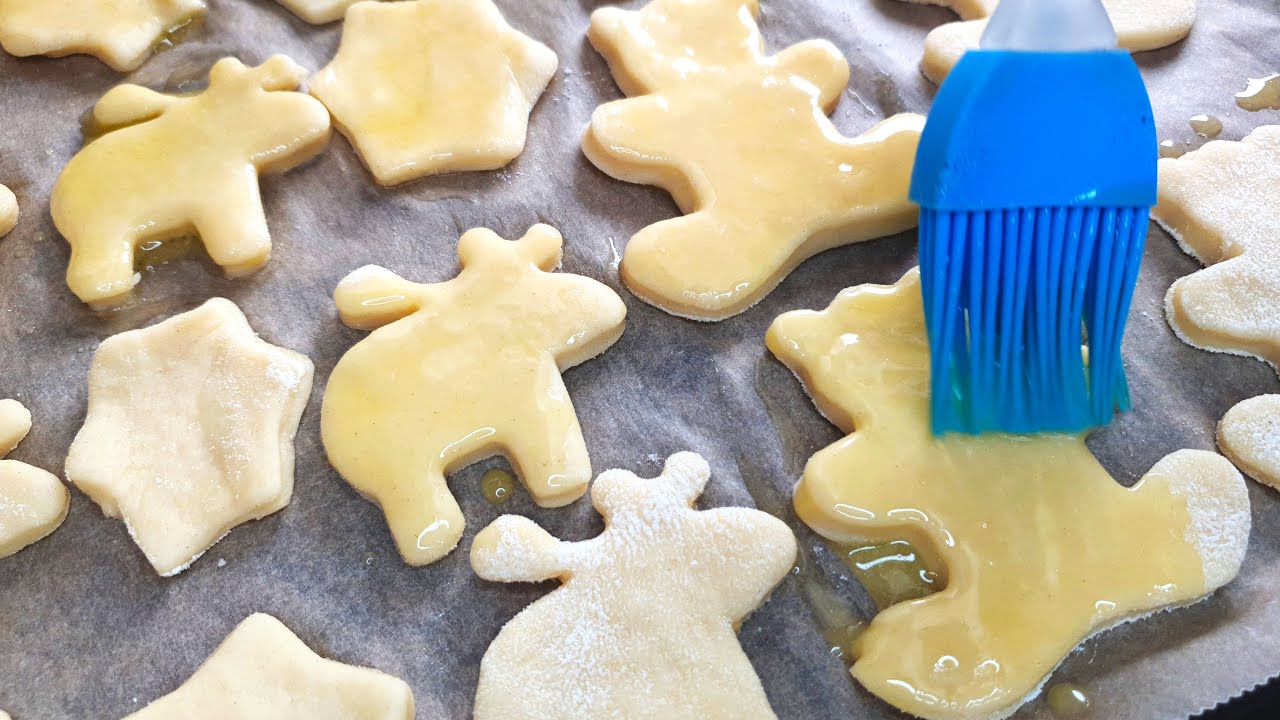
(1039, 547)
(262, 670)
(1140, 25)
(121, 33)
(318, 12)
(742, 141)
(33, 503)
(8, 210)
(433, 86)
(644, 627)
(190, 431)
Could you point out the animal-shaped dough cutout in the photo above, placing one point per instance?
(318, 12)
(8, 210)
(1140, 25)
(262, 670)
(33, 503)
(1249, 436)
(184, 164)
(121, 33)
(433, 86)
(645, 623)
(743, 143)
(190, 430)
(1036, 546)
(462, 370)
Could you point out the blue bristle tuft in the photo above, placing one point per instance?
(1010, 297)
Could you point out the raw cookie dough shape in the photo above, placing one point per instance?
(743, 144)
(433, 86)
(1037, 546)
(1140, 25)
(1222, 204)
(645, 623)
(121, 33)
(262, 670)
(461, 370)
(33, 503)
(189, 431)
(152, 180)
(8, 210)
(318, 12)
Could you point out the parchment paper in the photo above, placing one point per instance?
(87, 630)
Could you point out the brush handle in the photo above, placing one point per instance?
(1050, 26)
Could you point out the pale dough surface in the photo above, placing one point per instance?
(742, 141)
(433, 86)
(1036, 545)
(262, 671)
(33, 503)
(644, 626)
(8, 210)
(189, 431)
(462, 370)
(1140, 25)
(318, 12)
(1249, 435)
(145, 180)
(121, 33)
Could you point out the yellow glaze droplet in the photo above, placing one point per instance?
(462, 370)
(154, 253)
(497, 485)
(1067, 700)
(892, 572)
(1261, 94)
(1038, 547)
(743, 144)
(1172, 149)
(1206, 126)
(172, 165)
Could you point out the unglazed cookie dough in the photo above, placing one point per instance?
(1249, 435)
(743, 144)
(121, 33)
(1140, 25)
(190, 431)
(645, 624)
(33, 503)
(1037, 547)
(175, 165)
(8, 210)
(263, 671)
(433, 86)
(462, 370)
(318, 12)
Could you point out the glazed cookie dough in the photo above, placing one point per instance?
(1035, 545)
(462, 370)
(8, 210)
(190, 431)
(146, 180)
(433, 86)
(262, 670)
(742, 142)
(1249, 435)
(121, 33)
(645, 624)
(33, 503)
(318, 12)
(1140, 25)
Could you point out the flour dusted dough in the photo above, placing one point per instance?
(1036, 545)
(262, 671)
(1249, 435)
(1140, 25)
(741, 140)
(190, 431)
(33, 503)
(146, 180)
(433, 86)
(121, 33)
(8, 210)
(644, 626)
(318, 12)
(462, 370)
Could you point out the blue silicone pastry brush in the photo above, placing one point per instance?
(1035, 175)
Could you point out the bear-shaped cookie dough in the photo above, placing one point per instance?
(178, 165)
(461, 370)
(742, 141)
(33, 503)
(645, 624)
(121, 33)
(8, 210)
(1037, 547)
(1140, 25)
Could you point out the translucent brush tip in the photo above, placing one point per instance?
(1025, 310)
